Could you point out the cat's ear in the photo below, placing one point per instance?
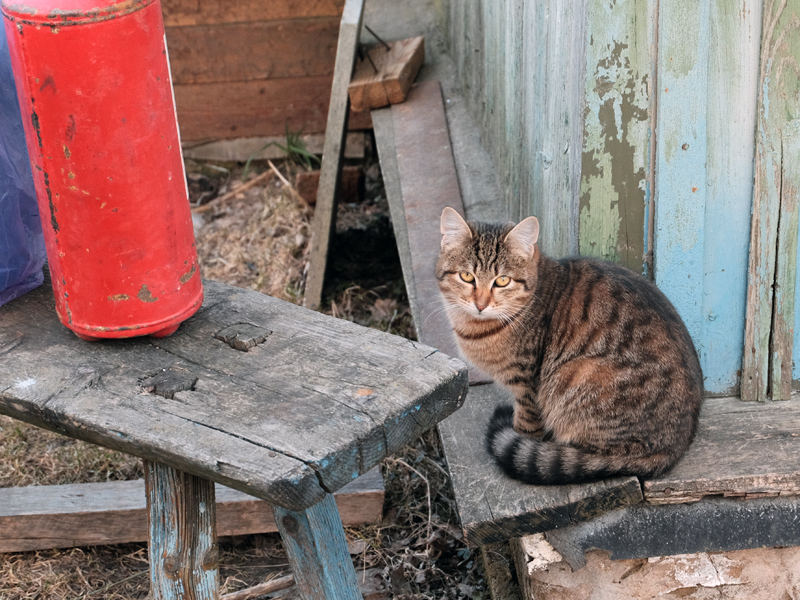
(522, 239)
(455, 230)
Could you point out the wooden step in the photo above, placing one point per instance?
(746, 450)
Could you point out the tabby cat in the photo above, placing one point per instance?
(605, 377)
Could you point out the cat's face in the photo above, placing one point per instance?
(486, 271)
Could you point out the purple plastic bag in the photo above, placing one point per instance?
(22, 251)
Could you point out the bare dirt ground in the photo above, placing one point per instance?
(259, 240)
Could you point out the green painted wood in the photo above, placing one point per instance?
(777, 103)
(183, 551)
(615, 166)
(782, 340)
(317, 551)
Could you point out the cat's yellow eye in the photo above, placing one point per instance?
(502, 281)
(468, 277)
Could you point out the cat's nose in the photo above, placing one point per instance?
(480, 306)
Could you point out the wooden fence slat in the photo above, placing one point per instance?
(732, 81)
(199, 12)
(778, 81)
(616, 133)
(680, 177)
(781, 343)
(183, 551)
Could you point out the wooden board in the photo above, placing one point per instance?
(741, 449)
(319, 402)
(208, 111)
(85, 514)
(252, 50)
(263, 148)
(777, 105)
(386, 74)
(428, 183)
(494, 508)
(615, 167)
(337, 124)
(210, 12)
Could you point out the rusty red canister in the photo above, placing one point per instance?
(99, 112)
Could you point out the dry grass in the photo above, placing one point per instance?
(259, 241)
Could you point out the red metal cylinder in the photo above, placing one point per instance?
(99, 113)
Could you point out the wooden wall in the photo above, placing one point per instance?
(246, 68)
(631, 129)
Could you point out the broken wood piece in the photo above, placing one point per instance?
(273, 585)
(113, 512)
(307, 184)
(262, 178)
(397, 67)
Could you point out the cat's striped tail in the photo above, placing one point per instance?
(542, 462)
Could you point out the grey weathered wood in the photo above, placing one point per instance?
(494, 508)
(741, 449)
(713, 525)
(319, 402)
(183, 550)
(317, 551)
(783, 309)
(780, 65)
(498, 568)
(85, 514)
(338, 110)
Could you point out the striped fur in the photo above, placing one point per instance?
(605, 377)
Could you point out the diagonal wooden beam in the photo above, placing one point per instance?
(325, 211)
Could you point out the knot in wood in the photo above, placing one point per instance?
(172, 566)
(290, 524)
(243, 336)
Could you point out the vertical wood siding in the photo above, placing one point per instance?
(610, 119)
(616, 136)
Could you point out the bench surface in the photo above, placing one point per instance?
(310, 405)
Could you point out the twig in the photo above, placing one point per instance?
(114, 583)
(272, 585)
(427, 485)
(377, 37)
(225, 197)
(288, 185)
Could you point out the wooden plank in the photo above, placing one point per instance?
(87, 514)
(213, 12)
(252, 50)
(263, 148)
(279, 422)
(386, 76)
(740, 449)
(680, 177)
(495, 508)
(732, 90)
(337, 124)
(616, 132)
(428, 183)
(209, 111)
(317, 551)
(783, 313)
(183, 550)
(780, 53)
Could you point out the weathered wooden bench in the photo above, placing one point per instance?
(739, 485)
(254, 393)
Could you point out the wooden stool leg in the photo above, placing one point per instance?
(317, 549)
(184, 556)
